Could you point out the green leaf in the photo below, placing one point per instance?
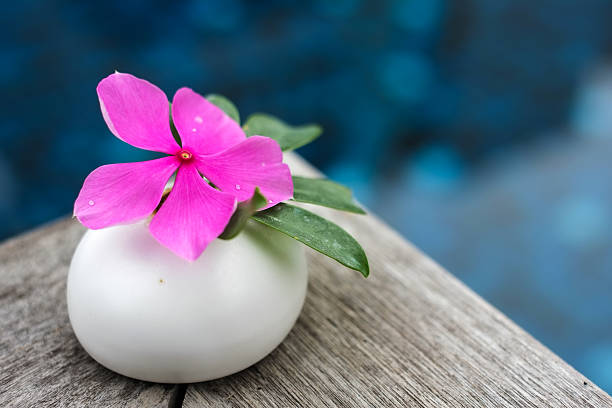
(175, 132)
(316, 232)
(243, 212)
(288, 137)
(225, 105)
(324, 192)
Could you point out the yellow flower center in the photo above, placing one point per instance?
(184, 155)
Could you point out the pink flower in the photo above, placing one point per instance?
(213, 145)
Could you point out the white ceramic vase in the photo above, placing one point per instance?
(143, 312)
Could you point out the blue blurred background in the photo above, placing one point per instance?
(482, 130)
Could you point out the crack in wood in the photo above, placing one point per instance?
(177, 396)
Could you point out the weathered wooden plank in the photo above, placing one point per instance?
(41, 361)
(410, 335)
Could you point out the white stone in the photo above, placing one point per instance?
(143, 312)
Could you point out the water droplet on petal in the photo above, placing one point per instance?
(91, 202)
(237, 186)
(263, 164)
(194, 130)
(270, 201)
(198, 119)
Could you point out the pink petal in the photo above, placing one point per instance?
(204, 128)
(256, 162)
(193, 215)
(137, 112)
(122, 193)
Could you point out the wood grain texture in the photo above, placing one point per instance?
(409, 335)
(41, 361)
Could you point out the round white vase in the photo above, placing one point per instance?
(143, 312)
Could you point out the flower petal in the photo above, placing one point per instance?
(204, 128)
(256, 162)
(137, 112)
(122, 193)
(193, 215)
